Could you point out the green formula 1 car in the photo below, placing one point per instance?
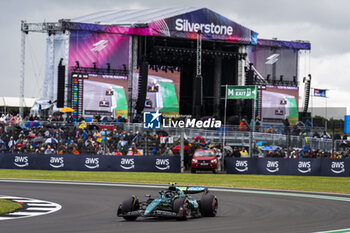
(174, 202)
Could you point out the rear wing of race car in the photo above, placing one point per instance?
(193, 189)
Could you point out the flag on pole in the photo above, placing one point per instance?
(320, 92)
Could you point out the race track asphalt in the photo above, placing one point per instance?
(92, 209)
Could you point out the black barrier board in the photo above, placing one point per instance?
(272, 166)
(241, 166)
(91, 162)
(281, 166)
(304, 167)
(335, 167)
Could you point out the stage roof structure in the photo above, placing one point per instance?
(132, 18)
(169, 22)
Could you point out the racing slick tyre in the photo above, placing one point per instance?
(208, 205)
(193, 170)
(128, 205)
(177, 204)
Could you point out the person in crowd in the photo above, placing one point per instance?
(130, 151)
(168, 151)
(70, 119)
(49, 119)
(35, 117)
(117, 152)
(94, 119)
(3, 119)
(75, 151)
(49, 150)
(242, 125)
(81, 119)
(325, 135)
(244, 152)
(235, 153)
(270, 130)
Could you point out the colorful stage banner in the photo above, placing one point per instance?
(213, 26)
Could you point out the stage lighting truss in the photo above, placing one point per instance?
(268, 81)
(42, 27)
(193, 52)
(100, 71)
(164, 68)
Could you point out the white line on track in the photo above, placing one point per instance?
(35, 208)
(30, 205)
(39, 204)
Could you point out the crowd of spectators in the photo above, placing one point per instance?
(58, 135)
(34, 135)
(306, 154)
(66, 137)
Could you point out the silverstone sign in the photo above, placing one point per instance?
(241, 92)
(211, 28)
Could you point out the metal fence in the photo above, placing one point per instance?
(106, 137)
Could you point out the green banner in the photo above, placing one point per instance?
(241, 92)
(170, 103)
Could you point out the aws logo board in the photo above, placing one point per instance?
(127, 164)
(162, 164)
(272, 166)
(21, 161)
(241, 165)
(56, 162)
(92, 163)
(338, 167)
(304, 166)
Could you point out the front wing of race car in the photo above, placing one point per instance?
(154, 213)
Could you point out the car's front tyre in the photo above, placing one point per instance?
(128, 205)
(208, 205)
(180, 206)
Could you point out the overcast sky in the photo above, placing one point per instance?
(325, 23)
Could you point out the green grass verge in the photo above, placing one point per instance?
(301, 183)
(7, 206)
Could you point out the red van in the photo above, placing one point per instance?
(205, 160)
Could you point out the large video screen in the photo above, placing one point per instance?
(100, 48)
(163, 91)
(279, 103)
(99, 95)
(105, 97)
(274, 62)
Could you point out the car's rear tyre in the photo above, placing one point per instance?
(177, 204)
(193, 170)
(128, 205)
(208, 205)
(215, 171)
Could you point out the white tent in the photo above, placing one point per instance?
(15, 102)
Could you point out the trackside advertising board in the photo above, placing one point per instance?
(295, 167)
(91, 162)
